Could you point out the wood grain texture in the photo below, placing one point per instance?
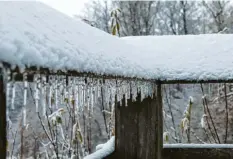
(2, 117)
(139, 129)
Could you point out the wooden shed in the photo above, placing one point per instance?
(48, 43)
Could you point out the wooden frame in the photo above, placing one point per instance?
(3, 139)
(131, 117)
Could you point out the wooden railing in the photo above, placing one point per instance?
(138, 126)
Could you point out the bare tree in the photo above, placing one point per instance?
(178, 18)
(219, 13)
(137, 17)
(97, 14)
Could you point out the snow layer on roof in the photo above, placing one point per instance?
(32, 33)
(190, 57)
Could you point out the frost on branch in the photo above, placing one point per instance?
(65, 107)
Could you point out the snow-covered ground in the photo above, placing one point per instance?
(103, 150)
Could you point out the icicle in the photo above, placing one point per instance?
(72, 92)
(13, 93)
(56, 93)
(6, 81)
(36, 92)
(79, 95)
(111, 97)
(88, 98)
(69, 91)
(129, 90)
(94, 95)
(43, 95)
(13, 97)
(92, 98)
(8, 86)
(119, 98)
(134, 90)
(64, 90)
(25, 100)
(76, 96)
(50, 95)
(98, 89)
(84, 96)
(126, 97)
(106, 94)
(142, 93)
(117, 93)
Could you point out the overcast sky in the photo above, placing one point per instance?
(69, 7)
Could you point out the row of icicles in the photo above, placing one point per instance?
(53, 92)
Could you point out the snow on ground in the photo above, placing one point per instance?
(103, 150)
(32, 33)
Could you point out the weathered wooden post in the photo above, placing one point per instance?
(139, 128)
(159, 125)
(2, 116)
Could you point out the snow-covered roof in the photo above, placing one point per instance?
(33, 33)
(187, 57)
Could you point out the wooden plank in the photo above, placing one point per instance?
(2, 117)
(193, 81)
(139, 129)
(159, 119)
(147, 128)
(194, 153)
(46, 71)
